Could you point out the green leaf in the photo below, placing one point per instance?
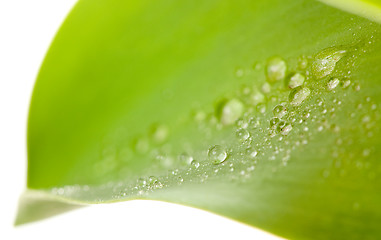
(175, 101)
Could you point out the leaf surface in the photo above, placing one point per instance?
(175, 101)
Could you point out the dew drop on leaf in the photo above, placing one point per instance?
(195, 164)
(273, 122)
(325, 61)
(298, 95)
(217, 154)
(332, 84)
(276, 69)
(242, 134)
(231, 111)
(279, 111)
(296, 80)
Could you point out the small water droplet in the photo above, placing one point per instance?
(279, 111)
(332, 84)
(302, 62)
(256, 97)
(276, 69)
(141, 145)
(325, 61)
(159, 133)
(365, 119)
(326, 173)
(142, 182)
(241, 123)
(217, 154)
(306, 115)
(266, 87)
(298, 95)
(230, 111)
(285, 129)
(366, 152)
(239, 72)
(319, 101)
(195, 164)
(242, 134)
(346, 83)
(251, 153)
(261, 108)
(274, 122)
(356, 87)
(152, 180)
(296, 80)
(185, 158)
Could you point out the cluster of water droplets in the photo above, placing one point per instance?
(263, 121)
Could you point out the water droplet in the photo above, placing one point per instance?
(242, 134)
(181, 180)
(298, 95)
(253, 123)
(261, 108)
(332, 84)
(231, 111)
(142, 182)
(285, 129)
(366, 152)
(152, 180)
(239, 72)
(252, 153)
(279, 111)
(366, 119)
(185, 158)
(141, 145)
(319, 101)
(199, 116)
(266, 88)
(195, 164)
(296, 80)
(241, 123)
(356, 87)
(245, 90)
(302, 62)
(159, 133)
(217, 154)
(326, 173)
(276, 69)
(325, 61)
(274, 122)
(346, 83)
(306, 115)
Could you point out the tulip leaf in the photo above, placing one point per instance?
(266, 112)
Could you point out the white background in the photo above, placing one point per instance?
(26, 30)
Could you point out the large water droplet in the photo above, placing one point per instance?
(276, 69)
(217, 154)
(298, 95)
(326, 60)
